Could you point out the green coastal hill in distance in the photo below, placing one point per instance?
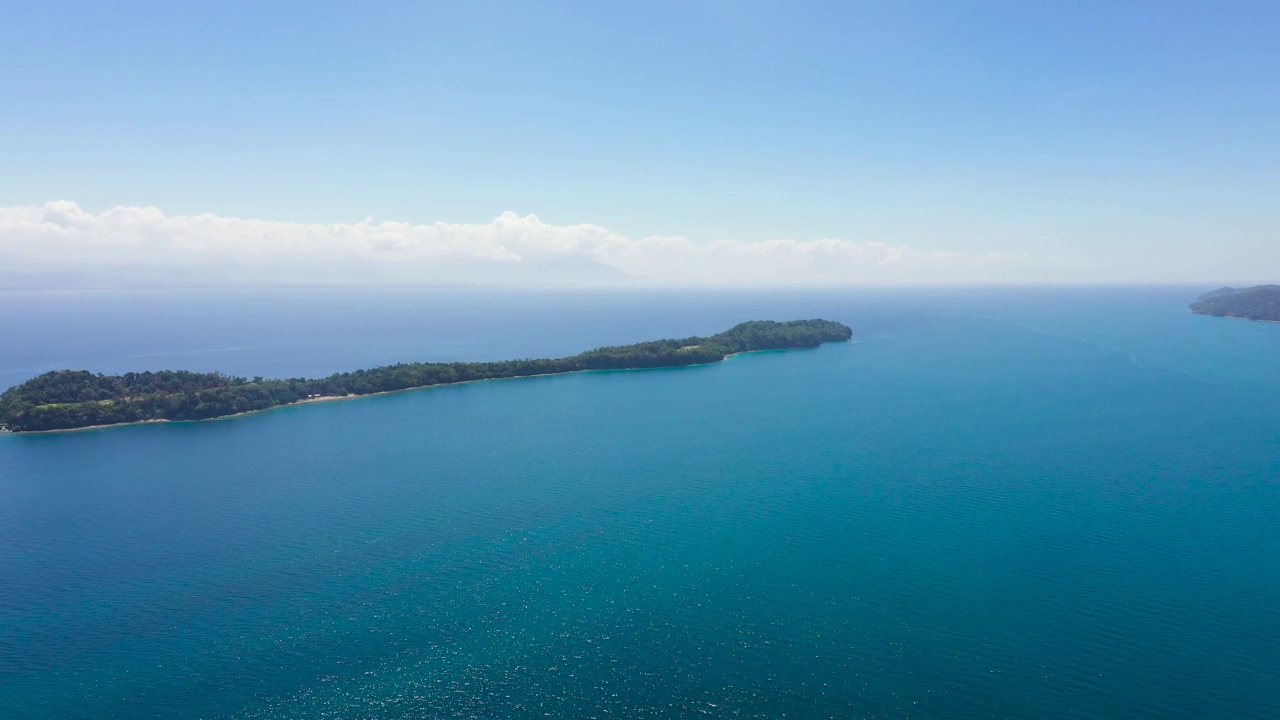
(71, 399)
(1253, 303)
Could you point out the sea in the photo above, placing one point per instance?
(992, 503)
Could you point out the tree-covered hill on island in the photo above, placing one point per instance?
(68, 399)
(1253, 303)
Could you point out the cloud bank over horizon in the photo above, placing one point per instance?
(59, 243)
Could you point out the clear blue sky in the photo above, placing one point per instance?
(1143, 137)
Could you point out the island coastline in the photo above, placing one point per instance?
(749, 337)
(1260, 303)
(331, 398)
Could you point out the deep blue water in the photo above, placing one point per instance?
(994, 504)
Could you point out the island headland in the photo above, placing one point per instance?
(1261, 302)
(75, 399)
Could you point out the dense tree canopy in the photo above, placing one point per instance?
(67, 399)
(1254, 303)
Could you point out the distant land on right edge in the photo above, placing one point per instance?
(1261, 302)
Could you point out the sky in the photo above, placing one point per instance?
(697, 142)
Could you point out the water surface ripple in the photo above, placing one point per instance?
(995, 505)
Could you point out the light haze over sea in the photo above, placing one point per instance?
(1052, 503)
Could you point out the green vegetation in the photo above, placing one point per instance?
(1254, 303)
(69, 399)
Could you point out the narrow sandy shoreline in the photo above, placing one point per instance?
(1236, 317)
(329, 398)
(323, 398)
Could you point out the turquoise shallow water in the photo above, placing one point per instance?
(993, 505)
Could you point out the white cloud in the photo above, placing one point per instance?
(144, 245)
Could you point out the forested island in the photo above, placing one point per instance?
(71, 399)
(1253, 303)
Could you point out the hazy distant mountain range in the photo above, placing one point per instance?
(23, 274)
(60, 244)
